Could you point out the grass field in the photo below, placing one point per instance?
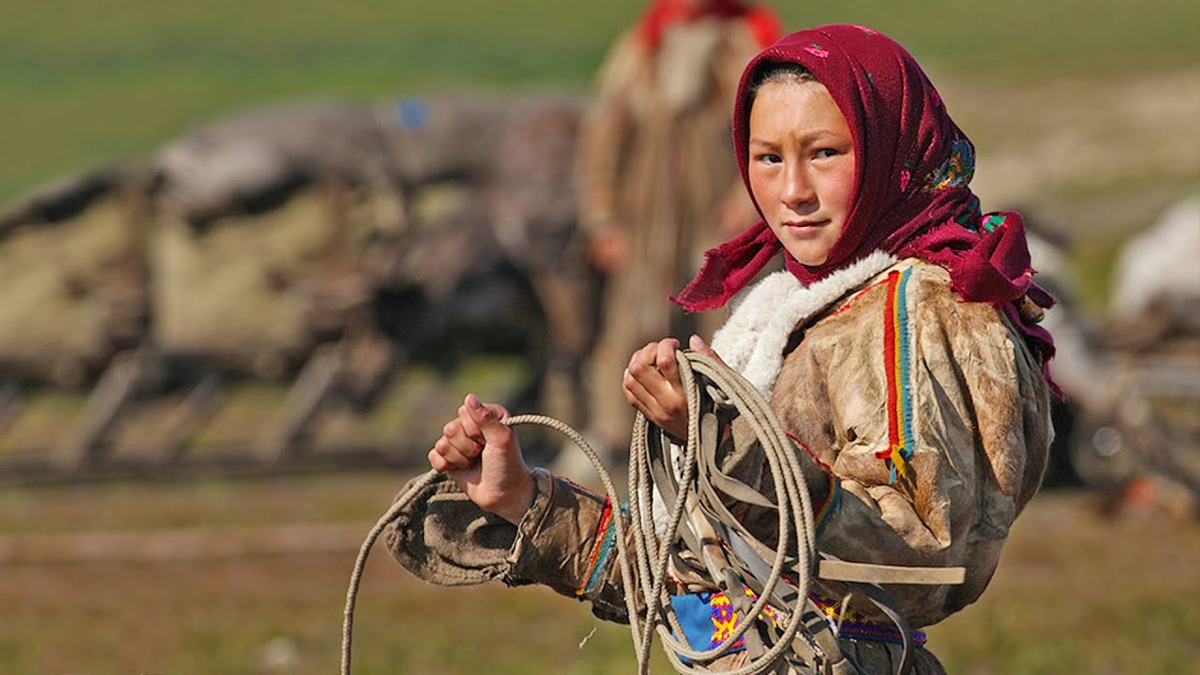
(85, 83)
(1075, 593)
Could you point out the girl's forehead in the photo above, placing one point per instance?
(794, 102)
(789, 95)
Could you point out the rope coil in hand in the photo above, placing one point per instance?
(688, 480)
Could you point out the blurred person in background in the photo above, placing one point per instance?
(657, 183)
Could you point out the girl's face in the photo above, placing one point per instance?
(801, 167)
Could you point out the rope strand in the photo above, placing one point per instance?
(796, 525)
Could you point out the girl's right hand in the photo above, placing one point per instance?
(652, 384)
(482, 456)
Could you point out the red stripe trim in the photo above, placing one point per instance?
(812, 454)
(601, 530)
(889, 367)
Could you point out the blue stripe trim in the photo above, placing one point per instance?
(835, 501)
(607, 545)
(905, 375)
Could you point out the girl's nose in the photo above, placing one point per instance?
(797, 189)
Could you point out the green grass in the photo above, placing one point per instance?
(1074, 593)
(86, 83)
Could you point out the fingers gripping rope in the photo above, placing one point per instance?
(648, 562)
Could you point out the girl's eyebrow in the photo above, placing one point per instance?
(810, 137)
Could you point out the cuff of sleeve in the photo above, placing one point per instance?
(531, 522)
(560, 538)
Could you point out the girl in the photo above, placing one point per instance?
(899, 347)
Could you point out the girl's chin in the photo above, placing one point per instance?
(810, 258)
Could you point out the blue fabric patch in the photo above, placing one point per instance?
(412, 112)
(695, 616)
(694, 611)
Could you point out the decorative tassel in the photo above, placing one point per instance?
(899, 464)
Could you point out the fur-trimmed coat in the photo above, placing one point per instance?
(880, 355)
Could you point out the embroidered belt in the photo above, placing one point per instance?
(708, 619)
(852, 625)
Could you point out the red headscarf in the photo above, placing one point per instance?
(662, 14)
(912, 198)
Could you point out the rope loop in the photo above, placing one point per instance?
(687, 481)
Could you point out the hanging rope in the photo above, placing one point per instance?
(688, 481)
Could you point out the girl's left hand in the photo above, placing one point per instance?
(652, 384)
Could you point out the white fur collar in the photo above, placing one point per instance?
(764, 315)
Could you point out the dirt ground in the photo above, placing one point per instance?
(1076, 592)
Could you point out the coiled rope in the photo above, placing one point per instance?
(688, 481)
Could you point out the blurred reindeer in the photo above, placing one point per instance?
(1132, 378)
(295, 245)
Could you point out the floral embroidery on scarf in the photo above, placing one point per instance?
(967, 217)
(866, 30)
(905, 176)
(816, 50)
(993, 221)
(956, 171)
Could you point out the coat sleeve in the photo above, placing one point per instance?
(566, 541)
(936, 426)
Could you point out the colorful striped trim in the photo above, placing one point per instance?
(897, 340)
(833, 496)
(832, 502)
(602, 549)
(852, 625)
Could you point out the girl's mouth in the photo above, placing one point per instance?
(805, 226)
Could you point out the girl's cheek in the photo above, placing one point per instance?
(757, 191)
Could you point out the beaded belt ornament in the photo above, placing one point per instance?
(709, 618)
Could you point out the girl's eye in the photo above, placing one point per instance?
(826, 152)
(770, 158)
